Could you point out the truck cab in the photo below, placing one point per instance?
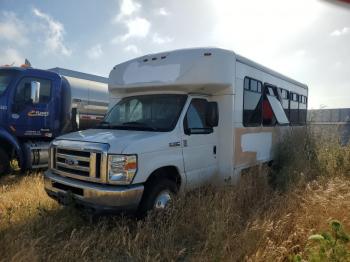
(27, 99)
(35, 107)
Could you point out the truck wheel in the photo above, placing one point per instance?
(157, 195)
(4, 162)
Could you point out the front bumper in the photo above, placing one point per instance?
(99, 197)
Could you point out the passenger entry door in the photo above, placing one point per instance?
(199, 145)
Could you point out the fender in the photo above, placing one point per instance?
(5, 135)
(155, 160)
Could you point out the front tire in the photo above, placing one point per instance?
(4, 162)
(157, 195)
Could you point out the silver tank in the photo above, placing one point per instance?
(89, 97)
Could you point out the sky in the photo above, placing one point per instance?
(308, 40)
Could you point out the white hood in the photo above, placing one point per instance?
(124, 141)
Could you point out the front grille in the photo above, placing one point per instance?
(83, 165)
(80, 160)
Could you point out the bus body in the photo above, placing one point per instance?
(186, 118)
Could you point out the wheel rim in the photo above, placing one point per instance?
(162, 200)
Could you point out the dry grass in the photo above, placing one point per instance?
(249, 221)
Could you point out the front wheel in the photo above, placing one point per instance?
(4, 162)
(157, 196)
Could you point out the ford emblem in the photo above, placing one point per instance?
(71, 162)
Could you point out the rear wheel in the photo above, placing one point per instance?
(4, 162)
(157, 196)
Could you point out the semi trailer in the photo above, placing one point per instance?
(38, 105)
(186, 118)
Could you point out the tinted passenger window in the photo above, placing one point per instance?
(269, 118)
(23, 90)
(253, 85)
(285, 101)
(302, 110)
(294, 109)
(252, 112)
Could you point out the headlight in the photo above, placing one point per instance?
(121, 168)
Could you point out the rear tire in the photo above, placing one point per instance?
(157, 195)
(4, 162)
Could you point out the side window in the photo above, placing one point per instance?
(195, 117)
(252, 100)
(294, 109)
(269, 118)
(302, 110)
(23, 90)
(285, 101)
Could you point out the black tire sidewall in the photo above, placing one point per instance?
(151, 192)
(4, 162)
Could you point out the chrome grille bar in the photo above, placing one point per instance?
(81, 168)
(92, 166)
(78, 160)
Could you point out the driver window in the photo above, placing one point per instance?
(195, 117)
(23, 90)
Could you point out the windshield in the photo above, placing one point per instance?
(5, 79)
(145, 112)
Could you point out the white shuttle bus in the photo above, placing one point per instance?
(186, 118)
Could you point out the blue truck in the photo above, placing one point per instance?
(38, 105)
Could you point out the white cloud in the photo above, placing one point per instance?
(162, 11)
(161, 40)
(54, 35)
(340, 32)
(95, 51)
(137, 27)
(127, 8)
(11, 56)
(132, 48)
(300, 53)
(255, 28)
(12, 29)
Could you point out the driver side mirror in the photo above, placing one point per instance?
(212, 114)
(35, 92)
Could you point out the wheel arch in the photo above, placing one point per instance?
(9, 143)
(170, 172)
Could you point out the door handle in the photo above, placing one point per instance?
(214, 150)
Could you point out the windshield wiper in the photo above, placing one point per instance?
(103, 124)
(134, 124)
(126, 125)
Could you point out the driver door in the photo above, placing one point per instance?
(199, 145)
(28, 118)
